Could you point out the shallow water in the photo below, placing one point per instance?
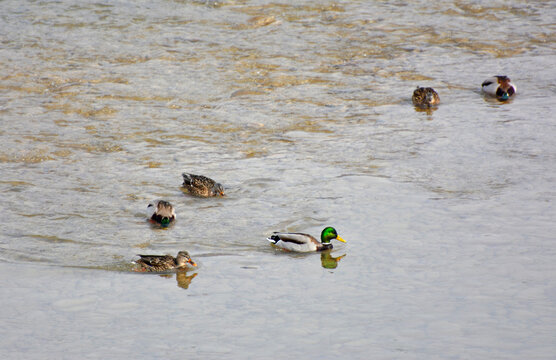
(303, 111)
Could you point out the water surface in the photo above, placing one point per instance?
(303, 111)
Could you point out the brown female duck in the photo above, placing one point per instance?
(152, 263)
(199, 185)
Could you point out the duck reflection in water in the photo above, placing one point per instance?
(328, 261)
(182, 278)
(428, 111)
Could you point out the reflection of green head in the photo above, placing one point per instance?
(328, 233)
(328, 261)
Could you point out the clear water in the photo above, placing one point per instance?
(303, 111)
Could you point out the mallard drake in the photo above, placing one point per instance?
(425, 97)
(161, 211)
(499, 86)
(164, 262)
(304, 242)
(202, 186)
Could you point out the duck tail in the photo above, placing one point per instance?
(273, 239)
(186, 178)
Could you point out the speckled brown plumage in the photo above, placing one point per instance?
(425, 97)
(199, 185)
(164, 262)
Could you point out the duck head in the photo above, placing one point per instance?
(218, 189)
(329, 233)
(183, 259)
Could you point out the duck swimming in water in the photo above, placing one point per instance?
(202, 186)
(161, 212)
(499, 86)
(300, 242)
(425, 97)
(153, 263)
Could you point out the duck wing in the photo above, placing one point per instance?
(197, 181)
(294, 238)
(156, 260)
(297, 242)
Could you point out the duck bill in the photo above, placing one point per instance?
(192, 263)
(340, 239)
